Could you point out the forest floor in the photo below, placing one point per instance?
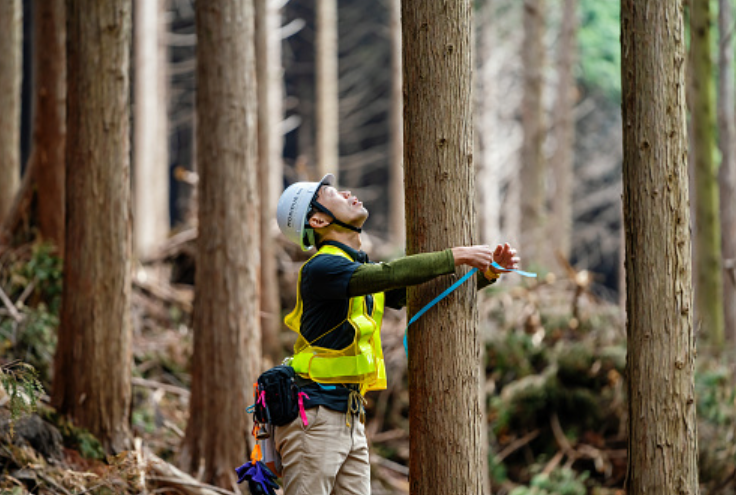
(555, 356)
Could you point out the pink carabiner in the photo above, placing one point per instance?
(262, 398)
(301, 408)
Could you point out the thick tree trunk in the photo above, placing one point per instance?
(268, 132)
(661, 341)
(444, 346)
(532, 175)
(560, 226)
(93, 357)
(49, 133)
(227, 334)
(151, 145)
(396, 216)
(708, 261)
(328, 113)
(727, 172)
(11, 35)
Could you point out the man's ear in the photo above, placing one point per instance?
(319, 221)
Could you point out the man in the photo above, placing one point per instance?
(338, 355)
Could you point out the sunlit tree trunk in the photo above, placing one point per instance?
(396, 220)
(274, 20)
(269, 138)
(727, 172)
(227, 334)
(560, 224)
(49, 133)
(93, 358)
(662, 449)
(532, 173)
(707, 247)
(11, 66)
(327, 114)
(150, 152)
(444, 348)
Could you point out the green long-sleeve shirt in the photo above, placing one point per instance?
(394, 276)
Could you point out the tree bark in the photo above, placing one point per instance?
(11, 66)
(151, 145)
(327, 114)
(269, 134)
(727, 171)
(49, 133)
(227, 334)
(396, 216)
(532, 174)
(93, 358)
(661, 341)
(444, 346)
(560, 228)
(708, 261)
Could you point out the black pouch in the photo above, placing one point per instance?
(277, 396)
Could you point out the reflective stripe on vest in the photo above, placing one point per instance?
(360, 362)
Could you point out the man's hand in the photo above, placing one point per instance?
(479, 257)
(505, 256)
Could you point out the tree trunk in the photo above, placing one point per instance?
(49, 133)
(708, 262)
(269, 132)
(93, 358)
(444, 346)
(560, 228)
(727, 172)
(227, 335)
(532, 172)
(396, 216)
(11, 36)
(661, 342)
(328, 151)
(151, 167)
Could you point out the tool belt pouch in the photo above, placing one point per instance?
(277, 396)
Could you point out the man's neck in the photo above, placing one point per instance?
(346, 237)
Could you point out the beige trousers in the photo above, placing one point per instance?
(326, 457)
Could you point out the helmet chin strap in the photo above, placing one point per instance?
(321, 208)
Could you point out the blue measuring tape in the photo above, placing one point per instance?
(448, 291)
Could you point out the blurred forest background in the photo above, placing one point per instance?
(548, 141)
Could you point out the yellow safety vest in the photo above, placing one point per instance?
(361, 362)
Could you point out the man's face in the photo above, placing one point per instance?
(343, 205)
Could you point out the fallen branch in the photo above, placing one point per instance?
(166, 294)
(9, 304)
(561, 439)
(164, 473)
(386, 463)
(516, 445)
(142, 382)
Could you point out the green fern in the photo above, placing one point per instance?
(21, 383)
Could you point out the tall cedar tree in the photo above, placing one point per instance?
(560, 225)
(150, 130)
(396, 217)
(93, 358)
(532, 174)
(11, 34)
(227, 336)
(707, 259)
(444, 346)
(269, 139)
(661, 342)
(49, 132)
(727, 171)
(327, 88)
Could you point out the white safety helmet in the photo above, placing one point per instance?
(293, 208)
